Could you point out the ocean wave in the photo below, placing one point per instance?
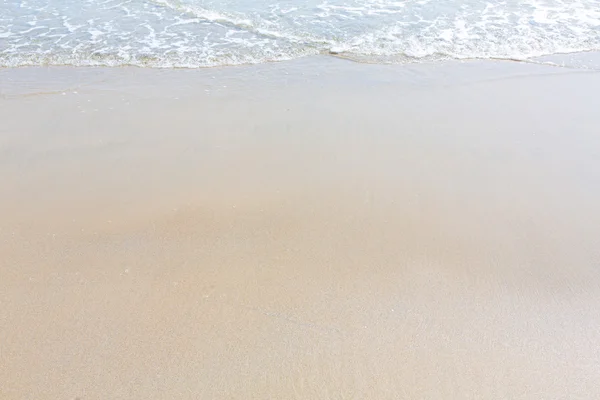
(205, 33)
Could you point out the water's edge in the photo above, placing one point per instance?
(205, 33)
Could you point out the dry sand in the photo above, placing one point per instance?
(309, 230)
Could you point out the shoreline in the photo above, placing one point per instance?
(312, 229)
(585, 59)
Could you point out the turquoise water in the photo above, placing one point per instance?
(203, 33)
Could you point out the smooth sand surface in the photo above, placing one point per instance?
(309, 230)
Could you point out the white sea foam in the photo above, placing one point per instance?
(203, 33)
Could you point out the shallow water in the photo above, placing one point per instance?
(201, 33)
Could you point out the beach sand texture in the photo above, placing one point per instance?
(318, 229)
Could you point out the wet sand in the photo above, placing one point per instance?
(314, 230)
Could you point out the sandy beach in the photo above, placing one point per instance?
(316, 229)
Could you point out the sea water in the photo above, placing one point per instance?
(205, 33)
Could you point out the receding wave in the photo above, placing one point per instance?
(205, 33)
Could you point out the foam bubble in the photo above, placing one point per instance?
(204, 33)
